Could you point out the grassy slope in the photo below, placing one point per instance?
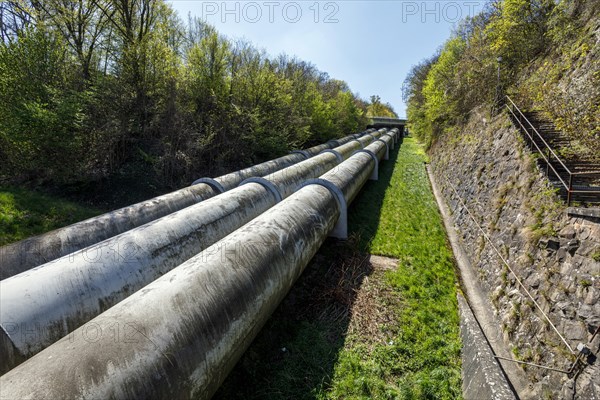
(313, 347)
(423, 361)
(25, 213)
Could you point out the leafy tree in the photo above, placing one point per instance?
(517, 29)
(378, 109)
(96, 89)
(41, 113)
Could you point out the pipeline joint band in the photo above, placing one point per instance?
(375, 174)
(394, 135)
(362, 146)
(340, 230)
(303, 152)
(392, 139)
(387, 149)
(337, 155)
(373, 136)
(333, 143)
(216, 186)
(370, 130)
(267, 185)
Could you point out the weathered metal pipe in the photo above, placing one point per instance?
(288, 180)
(397, 136)
(182, 334)
(360, 168)
(42, 305)
(25, 254)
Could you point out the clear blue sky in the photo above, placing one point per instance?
(369, 44)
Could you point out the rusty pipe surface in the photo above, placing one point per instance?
(180, 335)
(28, 253)
(42, 305)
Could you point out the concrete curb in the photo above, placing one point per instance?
(481, 374)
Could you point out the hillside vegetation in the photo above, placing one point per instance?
(95, 89)
(548, 57)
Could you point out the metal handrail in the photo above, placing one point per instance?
(540, 136)
(546, 155)
(538, 148)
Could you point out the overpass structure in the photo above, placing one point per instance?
(389, 123)
(160, 299)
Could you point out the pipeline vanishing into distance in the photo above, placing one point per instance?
(57, 297)
(181, 334)
(28, 253)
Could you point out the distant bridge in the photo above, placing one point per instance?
(386, 122)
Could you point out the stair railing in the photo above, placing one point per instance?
(547, 153)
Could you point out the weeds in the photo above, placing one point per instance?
(24, 213)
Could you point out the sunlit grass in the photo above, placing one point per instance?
(306, 351)
(25, 213)
(423, 361)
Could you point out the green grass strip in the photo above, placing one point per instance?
(398, 217)
(25, 213)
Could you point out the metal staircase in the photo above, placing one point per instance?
(576, 178)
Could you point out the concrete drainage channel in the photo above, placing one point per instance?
(172, 315)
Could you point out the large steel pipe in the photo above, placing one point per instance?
(25, 254)
(288, 180)
(41, 305)
(350, 177)
(180, 335)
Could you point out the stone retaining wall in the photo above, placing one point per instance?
(556, 255)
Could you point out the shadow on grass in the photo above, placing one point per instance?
(294, 355)
(365, 211)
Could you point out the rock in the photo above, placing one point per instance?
(585, 233)
(591, 297)
(566, 308)
(533, 281)
(578, 260)
(557, 295)
(552, 244)
(568, 391)
(588, 385)
(566, 268)
(590, 315)
(586, 248)
(561, 254)
(575, 331)
(568, 232)
(572, 246)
